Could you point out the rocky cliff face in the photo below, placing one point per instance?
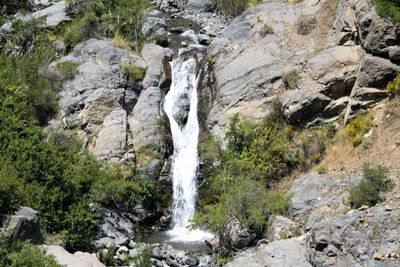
(118, 121)
(320, 63)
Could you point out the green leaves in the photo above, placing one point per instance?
(368, 191)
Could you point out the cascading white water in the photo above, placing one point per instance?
(185, 140)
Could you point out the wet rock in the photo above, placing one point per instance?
(24, 226)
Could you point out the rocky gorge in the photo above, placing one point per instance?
(321, 62)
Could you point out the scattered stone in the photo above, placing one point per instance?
(24, 226)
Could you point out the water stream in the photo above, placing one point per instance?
(181, 108)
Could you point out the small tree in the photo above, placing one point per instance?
(368, 191)
(393, 87)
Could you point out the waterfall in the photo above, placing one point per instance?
(181, 108)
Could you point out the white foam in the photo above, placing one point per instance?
(185, 235)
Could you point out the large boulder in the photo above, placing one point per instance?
(24, 226)
(360, 238)
(78, 259)
(146, 120)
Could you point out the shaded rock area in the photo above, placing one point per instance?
(339, 67)
(78, 259)
(24, 225)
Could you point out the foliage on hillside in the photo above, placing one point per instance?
(96, 18)
(17, 254)
(368, 191)
(388, 8)
(49, 172)
(242, 174)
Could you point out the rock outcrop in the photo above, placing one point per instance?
(24, 226)
(118, 121)
(340, 66)
(146, 120)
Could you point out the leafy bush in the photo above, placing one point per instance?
(388, 8)
(143, 259)
(107, 256)
(393, 87)
(358, 127)
(133, 73)
(255, 156)
(291, 79)
(16, 254)
(95, 18)
(50, 173)
(259, 151)
(322, 170)
(234, 7)
(306, 25)
(368, 191)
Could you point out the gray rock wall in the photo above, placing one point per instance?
(342, 65)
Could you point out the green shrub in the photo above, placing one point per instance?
(143, 259)
(358, 127)
(133, 72)
(322, 170)
(388, 8)
(368, 191)
(67, 70)
(306, 25)
(96, 18)
(107, 256)
(17, 254)
(291, 79)
(234, 7)
(393, 87)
